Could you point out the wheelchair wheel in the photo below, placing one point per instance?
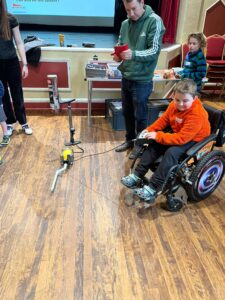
(172, 204)
(206, 176)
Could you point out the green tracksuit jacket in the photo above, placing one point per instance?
(144, 38)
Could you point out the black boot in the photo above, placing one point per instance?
(125, 146)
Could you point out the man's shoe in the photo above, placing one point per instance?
(146, 193)
(136, 152)
(27, 130)
(5, 141)
(10, 129)
(125, 146)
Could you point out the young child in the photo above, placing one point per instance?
(5, 139)
(195, 61)
(188, 120)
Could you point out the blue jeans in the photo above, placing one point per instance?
(135, 109)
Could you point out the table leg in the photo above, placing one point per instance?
(89, 101)
(222, 88)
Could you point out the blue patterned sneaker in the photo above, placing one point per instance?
(131, 181)
(146, 193)
(5, 141)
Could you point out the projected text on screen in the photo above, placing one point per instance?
(92, 8)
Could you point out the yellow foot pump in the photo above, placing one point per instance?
(66, 159)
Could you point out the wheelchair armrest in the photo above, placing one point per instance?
(194, 149)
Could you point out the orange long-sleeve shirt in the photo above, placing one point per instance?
(189, 125)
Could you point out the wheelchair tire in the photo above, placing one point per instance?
(206, 176)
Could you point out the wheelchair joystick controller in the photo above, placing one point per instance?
(141, 139)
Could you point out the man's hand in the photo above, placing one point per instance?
(115, 57)
(126, 55)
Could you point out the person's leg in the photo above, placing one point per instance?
(140, 96)
(6, 138)
(147, 159)
(128, 109)
(170, 159)
(128, 113)
(153, 151)
(14, 80)
(4, 127)
(7, 105)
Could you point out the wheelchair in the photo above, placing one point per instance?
(199, 173)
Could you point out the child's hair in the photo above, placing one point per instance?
(4, 22)
(186, 86)
(200, 37)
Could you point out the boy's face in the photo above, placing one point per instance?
(193, 45)
(183, 101)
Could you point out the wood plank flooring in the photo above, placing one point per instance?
(82, 242)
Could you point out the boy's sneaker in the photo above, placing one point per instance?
(146, 193)
(131, 181)
(27, 129)
(5, 141)
(10, 129)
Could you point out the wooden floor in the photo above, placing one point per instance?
(82, 242)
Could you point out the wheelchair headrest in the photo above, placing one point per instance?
(217, 121)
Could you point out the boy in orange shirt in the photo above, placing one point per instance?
(189, 122)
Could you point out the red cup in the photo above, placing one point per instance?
(120, 48)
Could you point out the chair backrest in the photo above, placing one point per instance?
(215, 47)
(217, 121)
(184, 52)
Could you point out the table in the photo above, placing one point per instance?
(109, 84)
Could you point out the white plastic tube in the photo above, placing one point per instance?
(57, 173)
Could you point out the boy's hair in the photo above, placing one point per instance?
(186, 86)
(200, 37)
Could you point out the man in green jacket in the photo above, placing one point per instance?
(142, 31)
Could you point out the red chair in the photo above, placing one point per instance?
(184, 52)
(216, 65)
(216, 79)
(215, 48)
